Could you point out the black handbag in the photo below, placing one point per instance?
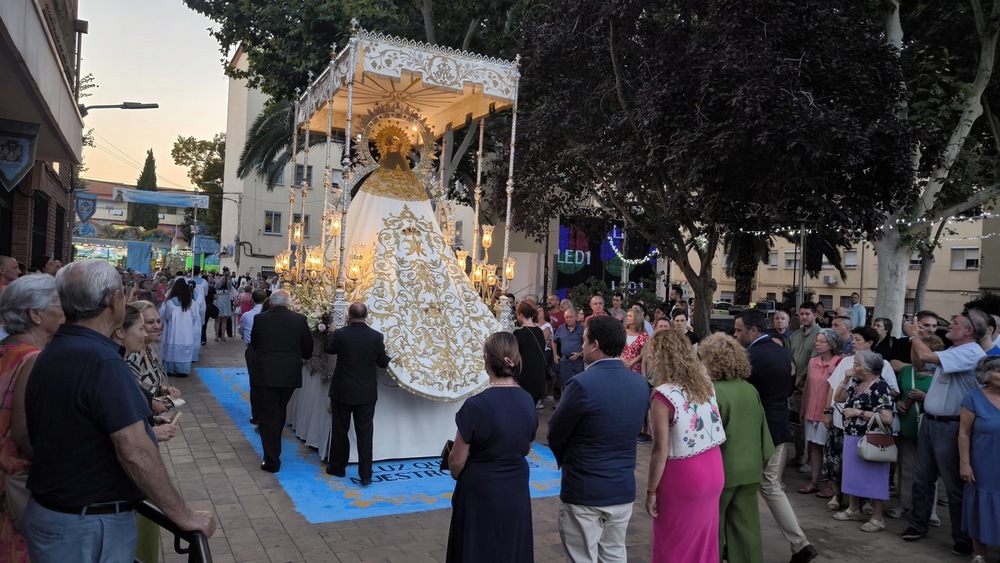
(446, 453)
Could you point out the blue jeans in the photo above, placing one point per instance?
(57, 537)
(937, 455)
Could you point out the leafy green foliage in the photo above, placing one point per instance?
(987, 302)
(205, 161)
(145, 215)
(286, 40)
(691, 119)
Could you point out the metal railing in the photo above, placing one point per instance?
(197, 544)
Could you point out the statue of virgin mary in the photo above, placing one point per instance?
(433, 320)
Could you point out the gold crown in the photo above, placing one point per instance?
(387, 130)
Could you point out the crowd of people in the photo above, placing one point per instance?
(724, 416)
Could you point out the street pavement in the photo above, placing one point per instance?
(216, 468)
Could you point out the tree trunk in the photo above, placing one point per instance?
(893, 264)
(927, 260)
(744, 288)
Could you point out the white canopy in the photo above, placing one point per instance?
(446, 86)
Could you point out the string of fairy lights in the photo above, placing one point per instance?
(792, 231)
(899, 223)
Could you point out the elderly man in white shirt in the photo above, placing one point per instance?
(244, 328)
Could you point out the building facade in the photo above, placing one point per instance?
(38, 112)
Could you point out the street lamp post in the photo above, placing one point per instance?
(84, 110)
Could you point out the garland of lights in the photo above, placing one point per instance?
(792, 231)
(632, 261)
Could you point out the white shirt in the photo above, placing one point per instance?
(955, 377)
(245, 326)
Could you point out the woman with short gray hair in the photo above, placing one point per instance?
(31, 312)
(814, 401)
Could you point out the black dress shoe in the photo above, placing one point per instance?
(270, 468)
(366, 482)
(807, 553)
(336, 472)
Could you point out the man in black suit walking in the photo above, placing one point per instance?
(280, 340)
(360, 349)
(771, 375)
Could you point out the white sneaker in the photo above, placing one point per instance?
(550, 400)
(805, 468)
(539, 406)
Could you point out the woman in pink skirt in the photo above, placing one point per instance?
(685, 468)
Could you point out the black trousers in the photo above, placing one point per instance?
(340, 445)
(268, 405)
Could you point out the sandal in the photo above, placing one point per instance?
(825, 493)
(834, 504)
(847, 514)
(873, 525)
(808, 489)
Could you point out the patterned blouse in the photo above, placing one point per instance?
(878, 397)
(148, 369)
(633, 350)
(694, 428)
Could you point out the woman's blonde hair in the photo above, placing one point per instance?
(669, 354)
(724, 357)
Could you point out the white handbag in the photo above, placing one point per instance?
(877, 444)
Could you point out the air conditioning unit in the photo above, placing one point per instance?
(829, 279)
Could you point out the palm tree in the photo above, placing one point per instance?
(744, 251)
(268, 148)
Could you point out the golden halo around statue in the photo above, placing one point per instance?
(388, 130)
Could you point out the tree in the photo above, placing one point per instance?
(205, 161)
(691, 119)
(286, 40)
(948, 59)
(145, 215)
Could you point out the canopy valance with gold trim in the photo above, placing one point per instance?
(448, 86)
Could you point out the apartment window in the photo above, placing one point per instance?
(826, 264)
(458, 233)
(772, 260)
(727, 296)
(916, 260)
(298, 175)
(850, 259)
(169, 211)
(966, 258)
(827, 301)
(791, 260)
(297, 218)
(162, 216)
(272, 223)
(280, 178)
(845, 301)
(771, 296)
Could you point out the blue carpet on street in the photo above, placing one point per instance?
(399, 486)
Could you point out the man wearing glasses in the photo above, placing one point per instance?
(937, 438)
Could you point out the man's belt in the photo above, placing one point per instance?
(942, 418)
(91, 509)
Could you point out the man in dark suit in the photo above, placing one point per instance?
(280, 340)
(360, 349)
(771, 375)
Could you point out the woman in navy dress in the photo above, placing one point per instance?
(491, 507)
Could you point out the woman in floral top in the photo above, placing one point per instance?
(635, 339)
(865, 395)
(686, 476)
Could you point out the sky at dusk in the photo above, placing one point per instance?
(149, 51)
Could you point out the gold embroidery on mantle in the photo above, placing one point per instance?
(396, 184)
(433, 321)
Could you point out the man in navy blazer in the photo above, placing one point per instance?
(360, 350)
(771, 375)
(592, 434)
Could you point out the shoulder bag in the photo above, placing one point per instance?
(877, 444)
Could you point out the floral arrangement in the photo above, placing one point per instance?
(313, 300)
